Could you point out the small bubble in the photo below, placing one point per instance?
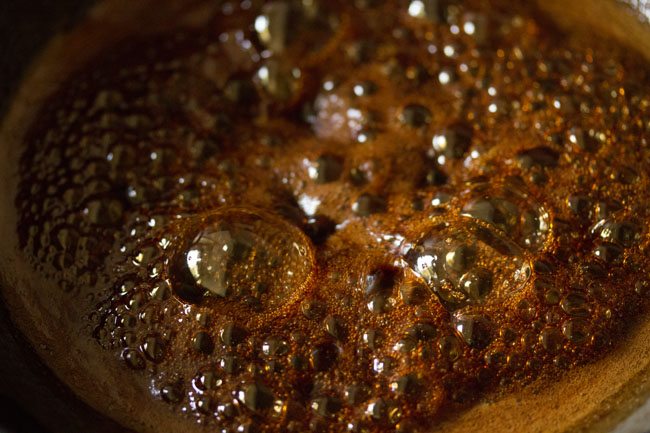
(106, 213)
(551, 297)
(551, 339)
(575, 304)
(580, 205)
(275, 347)
(474, 329)
(334, 327)
(415, 116)
(413, 292)
(324, 356)
(581, 141)
(230, 364)
(371, 338)
(378, 304)
(364, 88)
(525, 310)
(426, 9)
(380, 281)
(326, 406)
(161, 291)
(202, 342)
(377, 409)
(513, 212)
(368, 204)
(450, 347)
(476, 284)
(641, 287)
(435, 176)
(495, 359)
(538, 157)
(272, 26)
(312, 309)
(231, 334)
(327, 168)
(204, 405)
(356, 394)
(236, 91)
(133, 359)
(422, 331)
(256, 397)
(171, 394)
(623, 233)
(576, 330)
(405, 385)
(153, 348)
(206, 380)
(608, 252)
(278, 81)
(453, 142)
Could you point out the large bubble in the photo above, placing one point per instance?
(243, 255)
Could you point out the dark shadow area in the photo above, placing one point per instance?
(32, 399)
(13, 419)
(25, 25)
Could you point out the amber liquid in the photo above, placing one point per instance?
(337, 217)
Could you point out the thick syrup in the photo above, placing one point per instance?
(345, 216)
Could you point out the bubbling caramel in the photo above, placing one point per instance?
(345, 216)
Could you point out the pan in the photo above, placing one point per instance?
(32, 398)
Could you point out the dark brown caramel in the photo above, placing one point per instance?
(323, 216)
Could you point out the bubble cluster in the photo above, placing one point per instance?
(465, 264)
(344, 216)
(510, 211)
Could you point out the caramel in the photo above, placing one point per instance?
(322, 216)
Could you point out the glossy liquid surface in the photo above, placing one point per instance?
(332, 217)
